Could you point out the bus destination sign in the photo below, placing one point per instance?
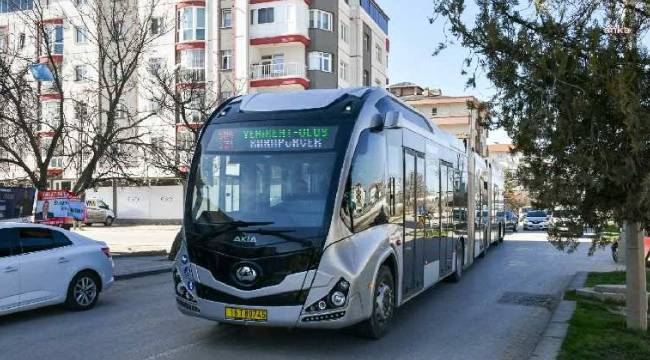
(276, 138)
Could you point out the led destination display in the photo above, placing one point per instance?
(285, 138)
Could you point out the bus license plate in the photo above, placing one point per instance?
(246, 314)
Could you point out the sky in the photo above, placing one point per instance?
(413, 40)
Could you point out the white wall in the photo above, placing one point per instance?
(149, 203)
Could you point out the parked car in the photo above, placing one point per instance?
(565, 223)
(646, 243)
(42, 265)
(536, 220)
(510, 219)
(97, 211)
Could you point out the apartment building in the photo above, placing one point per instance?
(217, 48)
(504, 155)
(459, 115)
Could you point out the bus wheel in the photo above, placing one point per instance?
(485, 248)
(383, 306)
(460, 259)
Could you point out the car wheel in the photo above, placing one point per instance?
(83, 291)
(109, 221)
(88, 224)
(383, 306)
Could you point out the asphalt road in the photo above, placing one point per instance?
(473, 319)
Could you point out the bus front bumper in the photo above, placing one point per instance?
(276, 316)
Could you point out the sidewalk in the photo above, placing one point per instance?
(128, 267)
(134, 239)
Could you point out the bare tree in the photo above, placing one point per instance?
(28, 140)
(104, 138)
(120, 31)
(183, 100)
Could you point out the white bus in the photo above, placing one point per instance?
(326, 209)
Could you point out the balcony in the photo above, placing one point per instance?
(279, 74)
(282, 23)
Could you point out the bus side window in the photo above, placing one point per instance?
(364, 201)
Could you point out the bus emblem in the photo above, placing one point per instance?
(246, 274)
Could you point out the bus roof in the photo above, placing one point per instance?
(296, 100)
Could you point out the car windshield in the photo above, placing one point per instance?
(265, 179)
(536, 214)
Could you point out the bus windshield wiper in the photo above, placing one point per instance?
(239, 223)
(223, 226)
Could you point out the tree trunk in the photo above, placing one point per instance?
(636, 292)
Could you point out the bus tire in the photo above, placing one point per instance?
(383, 306)
(460, 260)
(485, 248)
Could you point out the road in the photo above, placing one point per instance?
(473, 319)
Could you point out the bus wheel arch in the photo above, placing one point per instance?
(383, 298)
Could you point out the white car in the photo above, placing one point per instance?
(536, 220)
(42, 265)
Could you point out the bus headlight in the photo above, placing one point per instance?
(338, 299)
(334, 300)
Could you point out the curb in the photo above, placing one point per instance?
(548, 347)
(118, 255)
(141, 274)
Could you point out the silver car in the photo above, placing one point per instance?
(97, 211)
(536, 220)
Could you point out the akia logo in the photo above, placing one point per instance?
(245, 239)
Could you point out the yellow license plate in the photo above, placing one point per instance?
(246, 314)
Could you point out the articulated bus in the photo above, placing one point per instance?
(327, 209)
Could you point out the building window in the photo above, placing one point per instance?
(379, 52)
(366, 78)
(21, 40)
(80, 34)
(366, 42)
(434, 111)
(225, 95)
(319, 19)
(156, 26)
(192, 66)
(80, 73)
(272, 66)
(50, 115)
(7, 6)
(53, 40)
(193, 105)
(344, 70)
(155, 65)
(191, 24)
(262, 16)
(320, 61)
(4, 41)
(226, 59)
(345, 32)
(226, 18)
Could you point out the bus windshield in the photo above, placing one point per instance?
(272, 178)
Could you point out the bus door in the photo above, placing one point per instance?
(447, 230)
(414, 221)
